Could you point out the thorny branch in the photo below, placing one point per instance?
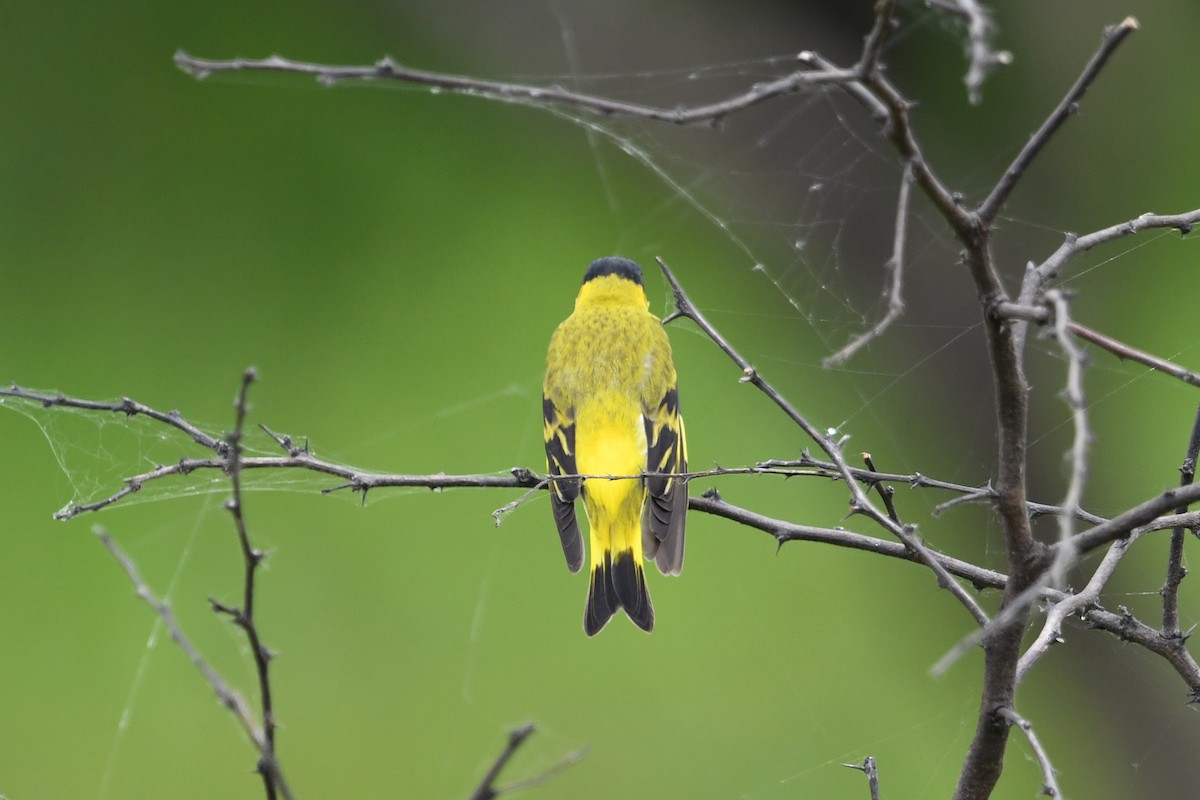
(357, 480)
(782, 531)
(252, 558)
(1176, 572)
(229, 698)
(859, 501)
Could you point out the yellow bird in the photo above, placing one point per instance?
(610, 406)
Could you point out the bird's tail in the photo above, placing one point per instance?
(618, 582)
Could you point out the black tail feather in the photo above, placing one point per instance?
(602, 599)
(618, 582)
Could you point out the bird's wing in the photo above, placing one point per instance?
(558, 428)
(666, 505)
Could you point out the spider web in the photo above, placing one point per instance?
(799, 199)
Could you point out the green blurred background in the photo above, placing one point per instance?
(393, 262)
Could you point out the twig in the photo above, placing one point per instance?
(1176, 572)
(1113, 37)
(981, 58)
(1065, 556)
(886, 493)
(1171, 648)
(487, 789)
(854, 88)
(898, 129)
(1118, 527)
(1025, 555)
(229, 698)
(970, 494)
(1049, 781)
(1121, 350)
(1142, 514)
(302, 458)
(1088, 597)
(125, 405)
(387, 69)
(1123, 625)
(1126, 352)
(859, 502)
(868, 62)
(872, 771)
(896, 291)
(1038, 276)
(252, 558)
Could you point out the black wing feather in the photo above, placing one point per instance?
(559, 430)
(665, 513)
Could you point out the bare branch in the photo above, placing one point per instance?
(1037, 277)
(868, 62)
(1176, 572)
(854, 88)
(1077, 402)
(1142, 514)
(898, 129)
(229, 698)
(1171, 648)
(1123, 624)
(1067, 106)
(1121, 350)
(1088, 597)
(252, 558)
(1126, 352)
(859, 501)
(896, 293)
(387, 69)
(487, 789)
(1064, 556)
(302, 458)
(516, 737)
(886, 493)
(1049, 780)
(981, 58)
(869, 767)
(124, 406)
(970, 494)
(783, 531)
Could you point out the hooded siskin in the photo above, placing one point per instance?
(611, 407)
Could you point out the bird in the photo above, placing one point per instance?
(610, 407)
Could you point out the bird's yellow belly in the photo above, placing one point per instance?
(611, 440)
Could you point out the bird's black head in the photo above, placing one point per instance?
(614, 265)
